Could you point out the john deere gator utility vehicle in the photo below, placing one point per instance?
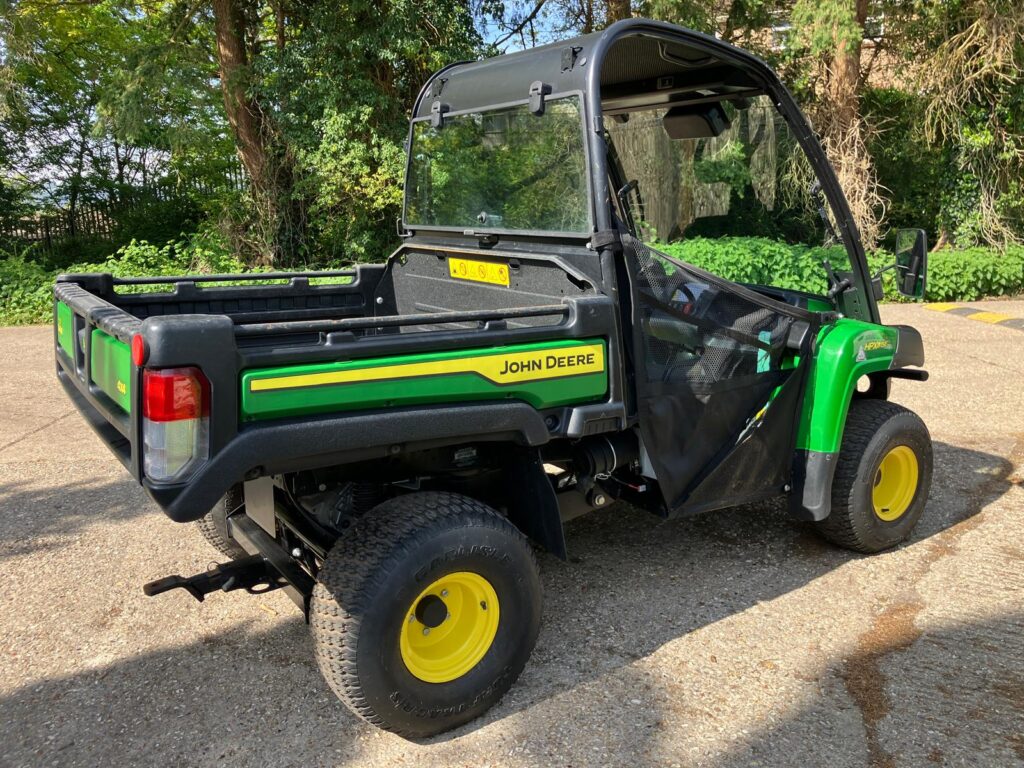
(574, 316)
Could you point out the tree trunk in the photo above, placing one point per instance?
(266, 160)
(243, 112)
(845, 85)
(618, 10)
(588, 17)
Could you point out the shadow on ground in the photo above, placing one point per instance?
(633, 584)
(35, 520)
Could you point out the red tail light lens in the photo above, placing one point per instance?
(175, 423)
(174, 394)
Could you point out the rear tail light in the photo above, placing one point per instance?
(175, 422)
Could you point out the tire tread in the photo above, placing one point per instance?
(844, 526)
(355, 568)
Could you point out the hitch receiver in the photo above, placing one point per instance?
(253, 574)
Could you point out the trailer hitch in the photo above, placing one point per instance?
(253, 574)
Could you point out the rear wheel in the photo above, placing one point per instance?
(882, 478)
(214, 526)
(425, 612)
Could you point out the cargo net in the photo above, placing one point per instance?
(695, 331)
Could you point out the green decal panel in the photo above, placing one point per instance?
(845, 351)
(111, 367)
(65, 329)
(544, 375)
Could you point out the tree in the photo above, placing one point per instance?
(828, 41)
(970, 66)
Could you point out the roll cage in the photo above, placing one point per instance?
(632, 65)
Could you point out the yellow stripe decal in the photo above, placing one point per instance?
(509, 368)
(989, 317)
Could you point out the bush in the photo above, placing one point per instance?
(975, 273)
(26, 291)
(953, 275)
(26, 288)
(759, 260)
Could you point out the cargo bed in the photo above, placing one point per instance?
(296, 361)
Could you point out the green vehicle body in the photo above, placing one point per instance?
(438, 377)
(846, 351)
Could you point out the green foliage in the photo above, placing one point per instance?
(759, 260)
(26, 287)
(975, 273)
(729, 165)
(822, 26)
(26, 291)
(339, 93)
(953, 275)
(908, 166)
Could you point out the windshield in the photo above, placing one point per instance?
(737, 204)
(504, 169)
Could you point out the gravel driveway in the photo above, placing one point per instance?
(733, 639)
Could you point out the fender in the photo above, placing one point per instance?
(844, 352)
(279, 447)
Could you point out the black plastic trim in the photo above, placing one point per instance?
(909, 347)
(280, 447)
(813, 472)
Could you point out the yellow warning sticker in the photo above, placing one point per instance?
(479, 271)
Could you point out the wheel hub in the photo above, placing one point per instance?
(895, 483)
(449, 627)
(431, 611)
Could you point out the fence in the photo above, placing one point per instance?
(48, 231)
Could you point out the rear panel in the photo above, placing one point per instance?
(545, 375)
(112, 368)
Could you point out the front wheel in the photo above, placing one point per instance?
(882, 478)
(425, 612)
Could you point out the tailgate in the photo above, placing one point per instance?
(92, 346)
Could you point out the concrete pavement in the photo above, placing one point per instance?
(733, 639)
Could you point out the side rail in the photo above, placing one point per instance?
(249, 297)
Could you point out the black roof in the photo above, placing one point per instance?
(655, 48)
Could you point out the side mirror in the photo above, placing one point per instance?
(911, 262)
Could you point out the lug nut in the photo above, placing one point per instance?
(444, 593)
(426, 630)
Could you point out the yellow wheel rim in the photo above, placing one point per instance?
(449, 627)
(895, 483)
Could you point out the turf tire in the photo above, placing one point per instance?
(369, 580)
(214, 526)
(873, 428)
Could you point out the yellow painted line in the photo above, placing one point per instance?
(509, 368)
(989, 317)
(941, 307)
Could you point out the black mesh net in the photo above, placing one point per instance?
(700, 332)
(711, 357)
